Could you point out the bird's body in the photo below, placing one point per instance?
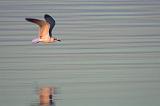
(45, 31)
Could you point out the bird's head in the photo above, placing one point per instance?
(54, 40)
(57, 39)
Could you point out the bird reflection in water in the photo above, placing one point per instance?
(49, 104)
(46, 96)
(39, 104)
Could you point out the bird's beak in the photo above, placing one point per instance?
(59, 40)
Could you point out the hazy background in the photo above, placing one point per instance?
(109, 54)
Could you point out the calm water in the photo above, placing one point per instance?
(109, 54)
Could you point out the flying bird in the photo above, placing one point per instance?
(45, 31)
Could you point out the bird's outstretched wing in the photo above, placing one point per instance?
(44, 27)
(40, 23)
(51, 21)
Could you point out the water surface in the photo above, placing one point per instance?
(109, 54)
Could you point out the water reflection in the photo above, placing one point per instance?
(38, 104)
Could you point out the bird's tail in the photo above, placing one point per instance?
(35, 40)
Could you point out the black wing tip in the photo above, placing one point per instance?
(49, 19)
(28, 19)
(46, 16)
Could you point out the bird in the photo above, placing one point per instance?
(45, 29)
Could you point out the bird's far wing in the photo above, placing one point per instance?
(51, 21)
(36, 21)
